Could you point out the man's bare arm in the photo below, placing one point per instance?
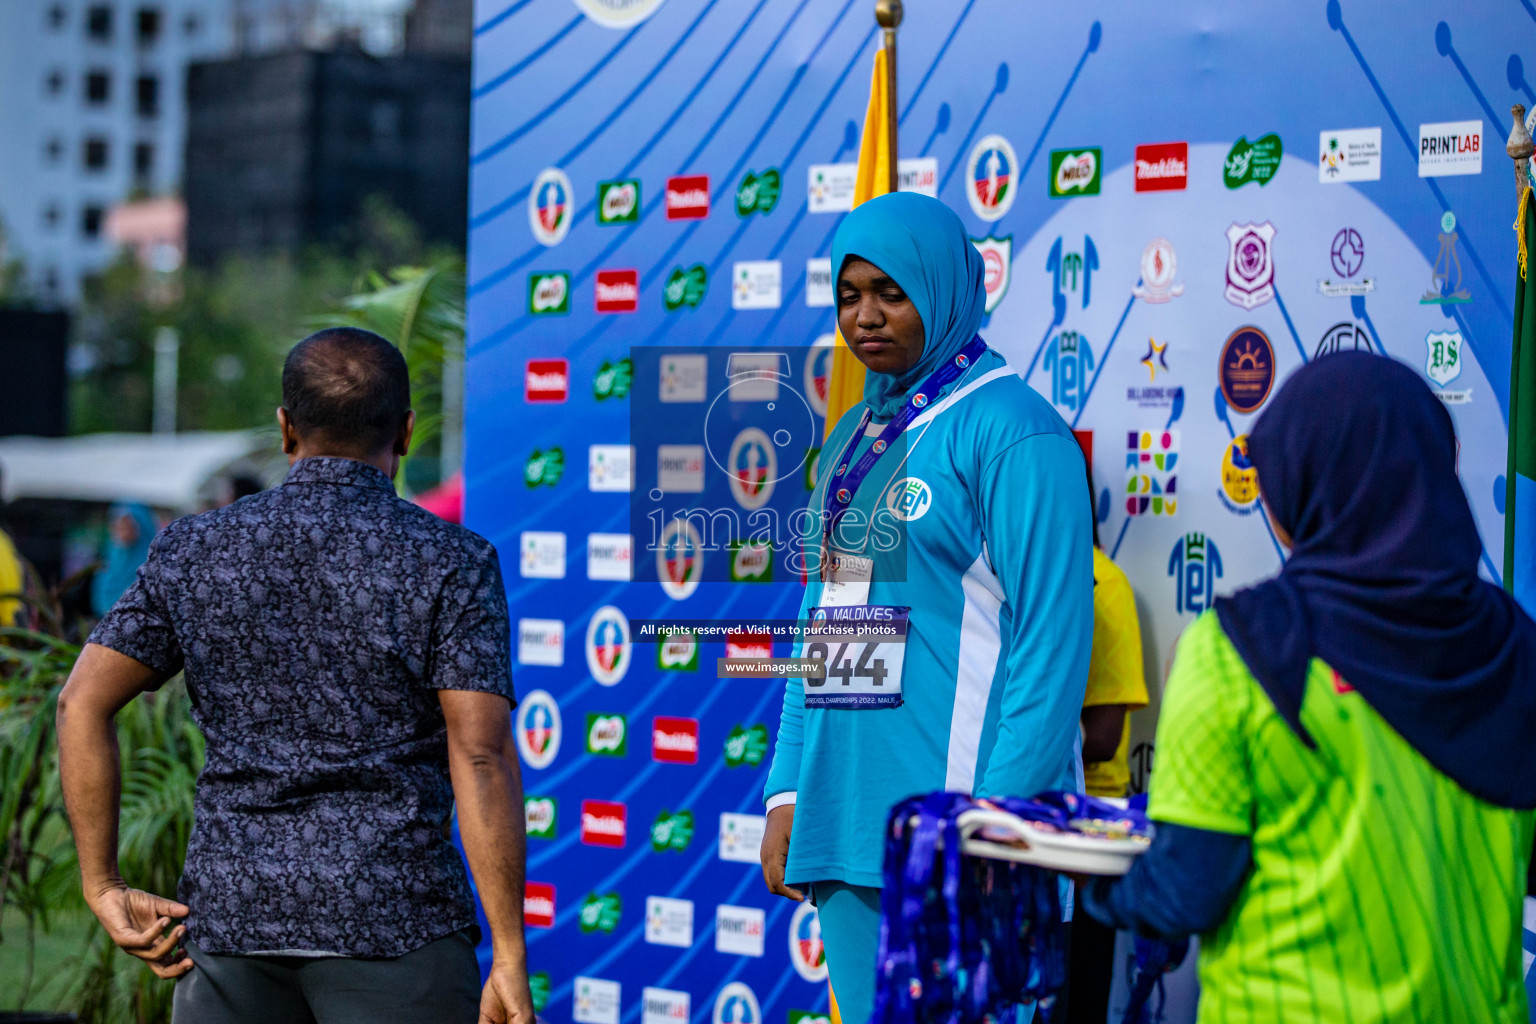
(488, 789)
(100, 685)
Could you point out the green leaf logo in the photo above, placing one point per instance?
(600, 912)
(746, 746)
(672, 831)
(545, 467)
(686, 287)
(758, 193)
(538, 984)
(613, 379)
(1251, 161)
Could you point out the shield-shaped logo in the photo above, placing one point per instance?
(997, 261)
(1442, 360)
(1250, 266)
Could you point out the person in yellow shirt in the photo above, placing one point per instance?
(13, 581)
(1116, 687)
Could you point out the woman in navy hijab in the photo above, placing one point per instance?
(1346, 757)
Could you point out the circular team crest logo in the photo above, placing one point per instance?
(909, 499)
(818, 373)
(805, 948)
(962, 360)
(680, 559)
(1247, 369)
(608, 645)
(737, 1004)
(919, 400)
(538, 729)
(752, 467)
(843, 495)
(550, 206)
(1239, 480)
(619, 13)
(879, 447)
(989, 180)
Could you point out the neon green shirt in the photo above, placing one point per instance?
(1381, 891)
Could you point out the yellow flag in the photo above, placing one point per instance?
(845, 389)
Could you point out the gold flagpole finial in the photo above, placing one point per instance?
(1520, 147)
(888, 14)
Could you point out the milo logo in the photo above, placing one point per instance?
(678, 653)
(540, 814)
(672, 831)
(549, 293)
(618, 202)
(751, 562)
(600, 912)
(758, 193)
(1075, 172)
(746, 745)
(607, 735)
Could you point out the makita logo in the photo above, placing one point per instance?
(1165, 168)
(538, 905)
(618, 291)
(602, 823)
(547, 380)
(675, 740)
(688, 197)
(1162, 167)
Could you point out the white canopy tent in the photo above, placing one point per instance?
(178, 472)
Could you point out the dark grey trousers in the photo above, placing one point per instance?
(436, 984)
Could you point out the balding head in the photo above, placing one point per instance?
(346, 390)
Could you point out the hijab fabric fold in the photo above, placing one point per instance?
(922, 246)
(1356, 460)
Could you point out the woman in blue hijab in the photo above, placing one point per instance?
(130, 528)
(950, 499)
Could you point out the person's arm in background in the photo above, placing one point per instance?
(472, 673)
(781, 788)
(1040, 544)
(101, 684)
(1103, 725)
(1201, 801)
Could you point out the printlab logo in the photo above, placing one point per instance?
(909, 499)
(752, 468)
(675, 740)
(1151, 485)
(1446, 289)
(1251, 161)
(997, 266)
(546, 380)
(1075, 172)
(663, 1005)
(1068, 360)
(540, 814)
(602, 823)
(737, 1004)
(618, 202)
(613, 379)
(1250, 264)
(1162, 167)
(608, 645)
(989, 178)
(1450, 147)
(668, 922)
(1195, 566)
(806, 951)
(758, 193)
(607, 735)
(596, 1000)
(1347, 256)
(1159, 266)
(688, 197)
(600, 912)
(819, 293)
(1247, 369)
(538, 729)
(678, 652)
(685, 287)
(610, 556)
(672, 832)
(1239, 480)
(1442, 364)
(1070, 270)
(739, 930)
(549, 294)
(539, 907)
(549, 206)
(1344, 336)
(544, 468)
(680, 561)
(746, 745)
(1350, 155)
(751, 561)
(541, 642)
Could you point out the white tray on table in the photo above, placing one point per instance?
(1011, 838)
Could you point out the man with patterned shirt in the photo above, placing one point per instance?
(347, 657)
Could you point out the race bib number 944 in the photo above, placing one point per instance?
(864, 648)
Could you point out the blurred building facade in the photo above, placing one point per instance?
(93, 103)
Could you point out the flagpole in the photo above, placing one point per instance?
(888, 16)
(1519, 148)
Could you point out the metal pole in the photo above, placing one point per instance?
(888, 16)
(167, 349)
(1520, 148)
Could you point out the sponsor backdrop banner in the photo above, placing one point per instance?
(1176, 210)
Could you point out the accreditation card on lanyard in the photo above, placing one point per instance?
(873, 676)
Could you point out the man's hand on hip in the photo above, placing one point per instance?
(137, 922)
(506, 998)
